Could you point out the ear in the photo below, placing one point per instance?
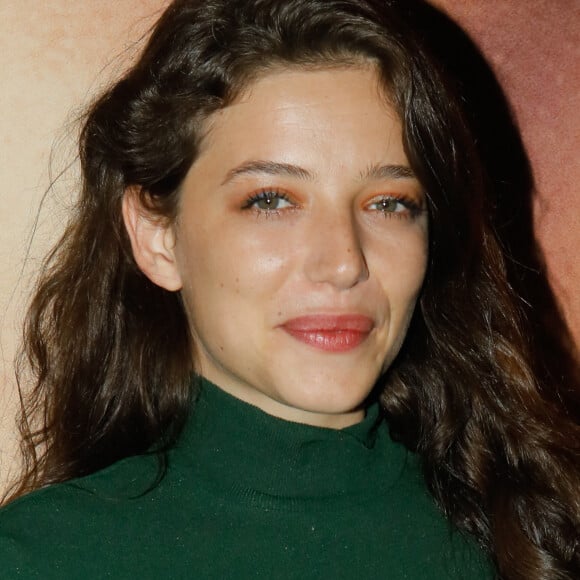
(152, 242)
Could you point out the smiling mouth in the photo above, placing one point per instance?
(330, 333)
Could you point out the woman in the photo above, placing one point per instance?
(280, 300)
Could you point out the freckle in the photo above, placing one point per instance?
(221, 284)
(237, 280)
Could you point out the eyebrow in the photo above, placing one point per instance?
(390, 171)
(268, 168)
(256, 167)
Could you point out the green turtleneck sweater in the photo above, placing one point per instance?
(246, 495)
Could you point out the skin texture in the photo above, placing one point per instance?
(337, 237)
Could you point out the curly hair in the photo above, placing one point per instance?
(111, 354)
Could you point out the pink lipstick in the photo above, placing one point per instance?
(333, 333)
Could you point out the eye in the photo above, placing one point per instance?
(395, 206)
(268, 200)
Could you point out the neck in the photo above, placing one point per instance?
(246, 452)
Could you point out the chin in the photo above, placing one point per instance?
(328, 399)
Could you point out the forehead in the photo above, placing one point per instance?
(333, 126)
(313, 97)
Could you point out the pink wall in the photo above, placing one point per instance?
(534, 49)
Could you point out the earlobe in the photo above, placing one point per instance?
(152, 242)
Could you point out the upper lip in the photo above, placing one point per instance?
(330, 322)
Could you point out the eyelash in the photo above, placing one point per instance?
(264, 195)
(413, 209)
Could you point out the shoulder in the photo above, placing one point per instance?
(43, 533)
(422, 528)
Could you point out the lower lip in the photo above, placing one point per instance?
(332, 337)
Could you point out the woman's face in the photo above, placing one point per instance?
(301, 244)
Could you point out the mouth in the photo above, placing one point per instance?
(332, 333)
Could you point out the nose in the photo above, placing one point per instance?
(335, 253)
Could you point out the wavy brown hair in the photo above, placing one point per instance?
(111, 355)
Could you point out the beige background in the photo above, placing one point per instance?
(55, 54)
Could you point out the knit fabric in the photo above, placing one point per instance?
(246, 495)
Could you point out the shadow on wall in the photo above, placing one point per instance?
(512, 185)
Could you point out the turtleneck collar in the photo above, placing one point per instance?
(246, 454)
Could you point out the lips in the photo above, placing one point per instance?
(333, 333)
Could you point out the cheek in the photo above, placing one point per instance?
(401, 281)
(220, 270)
(401, 267)
(260, 269)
